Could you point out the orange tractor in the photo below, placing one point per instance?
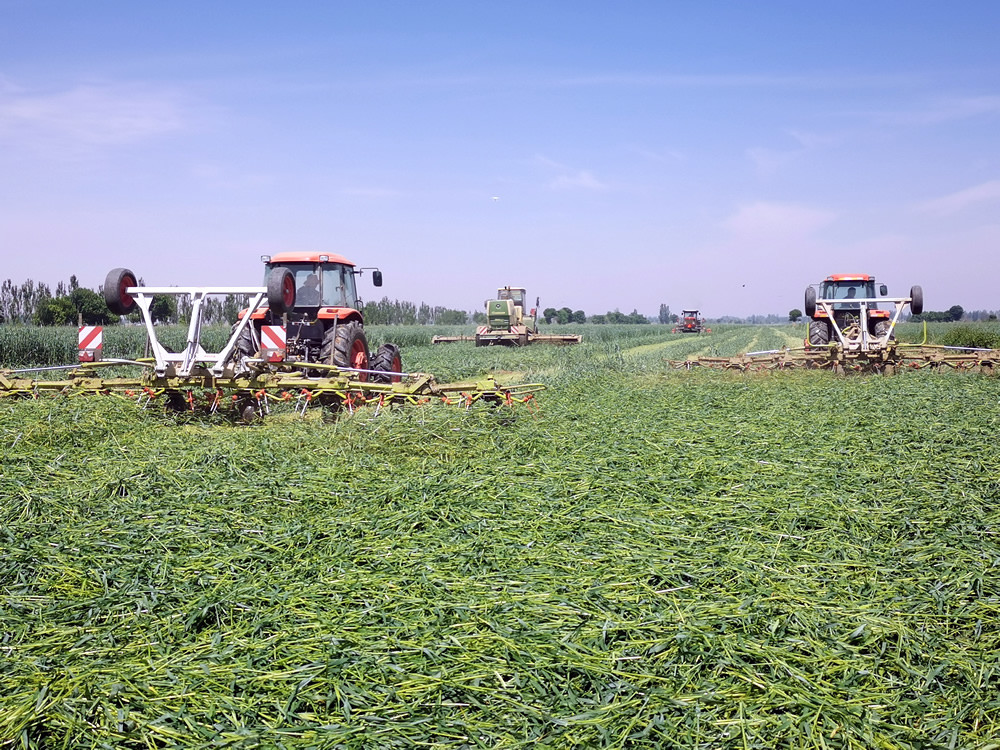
(306, 312)
(301, 340)
(321, 312)
(691, 322)
(846, 311)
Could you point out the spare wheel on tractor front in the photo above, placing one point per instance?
(345, 345)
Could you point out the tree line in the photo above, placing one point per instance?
(953, 314)
(69, 303)
(401, 313)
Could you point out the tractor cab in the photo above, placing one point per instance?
(321, 280)
(317, 307)
(691, 321)
(846, 311)
(513, 294)
(851, 287)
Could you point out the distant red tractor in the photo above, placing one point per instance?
(846, 311)
(319, 301)
(691, 322)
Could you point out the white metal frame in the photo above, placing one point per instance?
(194, 355)
(865, 342)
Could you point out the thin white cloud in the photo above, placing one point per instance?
(579, 180)
(769, 220)
(87, 116)
(665, 156)
(218, 177)
(570, 178)
(371, 192)
(810, 140)
(944, 110)
(731, 80)
(769, 161)
(948, 205)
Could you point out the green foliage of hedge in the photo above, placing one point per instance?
(981, 336)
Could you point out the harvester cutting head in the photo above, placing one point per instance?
(509, 322)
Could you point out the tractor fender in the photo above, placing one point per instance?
(340, 314)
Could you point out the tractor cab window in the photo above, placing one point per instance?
(338, 286)
(323, 284)
(847, 291)
(514, 295)
(307, 283)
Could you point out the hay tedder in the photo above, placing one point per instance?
(853, 330)
(300, 340)
(508, 323)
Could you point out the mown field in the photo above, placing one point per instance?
(649, 558)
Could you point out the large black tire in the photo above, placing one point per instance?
(280, 290)
(819, 333)
(882, 327)
(386, 360)
(115, 296)
(810, 301)
(345, 345)
(916, 300)
(245, 344)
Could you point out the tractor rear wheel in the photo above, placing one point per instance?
(388, 363)
(345, 345)
(882, 327)
(245, 344)
(819, 333)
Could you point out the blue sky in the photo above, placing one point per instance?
(719, 155)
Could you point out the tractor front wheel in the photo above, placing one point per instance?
(388, 363)
(819, 333)
(345, 345)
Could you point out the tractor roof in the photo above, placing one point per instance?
(309, 257)
(850, 277)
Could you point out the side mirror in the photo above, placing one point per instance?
(883, 290)
(377, 278)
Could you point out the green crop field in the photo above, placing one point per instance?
(648, 558)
